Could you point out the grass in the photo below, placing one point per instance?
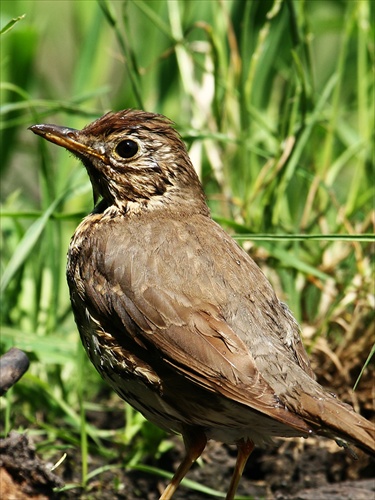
(275, 101)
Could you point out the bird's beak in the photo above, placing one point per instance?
(68, 138)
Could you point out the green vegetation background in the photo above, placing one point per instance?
(275, 100)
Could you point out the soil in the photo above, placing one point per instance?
(298, 469)
(289, 469)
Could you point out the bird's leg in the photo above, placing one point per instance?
(195, 443)
(244, 447)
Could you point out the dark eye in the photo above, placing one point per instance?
(127, 148)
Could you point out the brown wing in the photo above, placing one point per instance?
(172, 300)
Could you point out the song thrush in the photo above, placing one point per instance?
(174, 315)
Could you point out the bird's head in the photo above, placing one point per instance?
(134, 159)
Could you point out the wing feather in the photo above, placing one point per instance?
(181, 310)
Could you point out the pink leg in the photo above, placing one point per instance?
(195, 443)
(244, 451)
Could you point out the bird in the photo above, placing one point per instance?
(174, 314)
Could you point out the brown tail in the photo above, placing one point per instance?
(332, 418)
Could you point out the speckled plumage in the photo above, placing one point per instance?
(173, 313)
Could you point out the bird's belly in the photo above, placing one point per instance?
(130, 378)
(175, 403)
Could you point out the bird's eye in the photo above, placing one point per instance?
(127, 148)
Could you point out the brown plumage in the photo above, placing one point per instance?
(176, 317)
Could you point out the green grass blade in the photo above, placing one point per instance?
(188, 483)
(25, 246)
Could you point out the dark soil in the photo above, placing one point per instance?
(312, 469)
(22, 474)
(290, 469)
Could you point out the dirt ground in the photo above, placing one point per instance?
(298, 469)
(290, 469)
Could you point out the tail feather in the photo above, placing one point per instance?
(332, 418)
